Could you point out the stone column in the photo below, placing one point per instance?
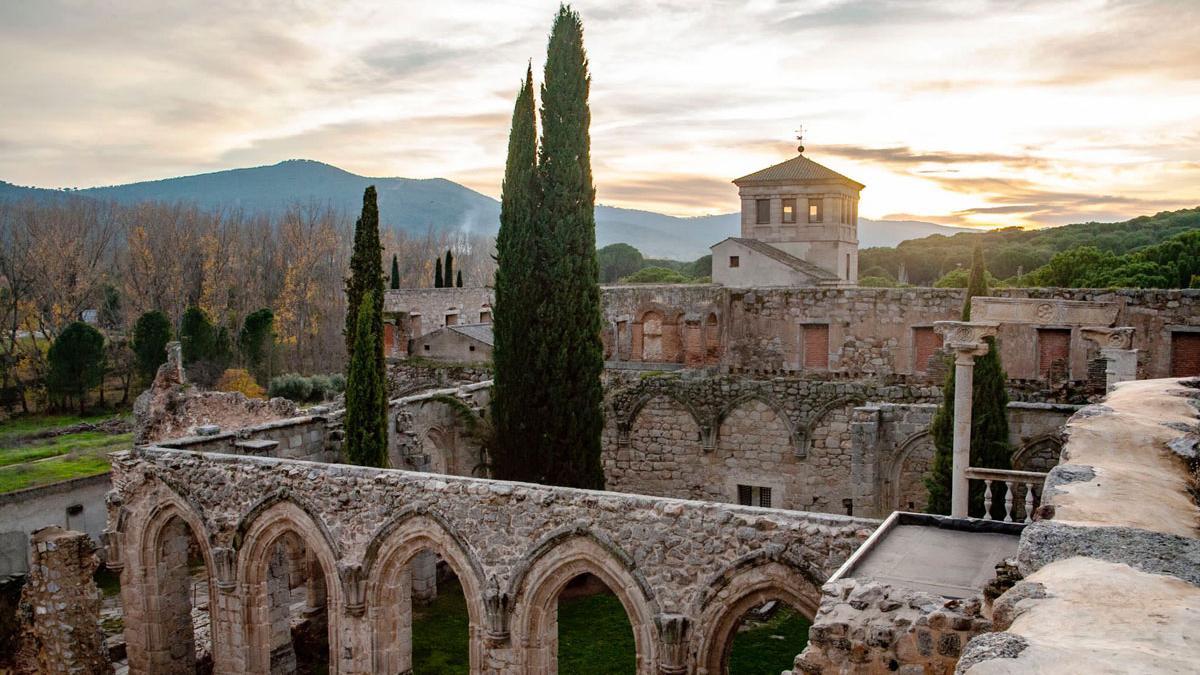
(966, 339)
(62, 633)
(1116, 347)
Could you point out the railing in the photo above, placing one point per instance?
(1026, 481)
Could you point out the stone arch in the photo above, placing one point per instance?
(640, 403)
(663, 432)
(772, 405)
(750, 582)
(437, 444)
(712, 337)
(559, 558)
(656, 334)
(274, 520)
(907, 470)
(809, 427)
(393, 547)
(1040, 453)
(160, 584)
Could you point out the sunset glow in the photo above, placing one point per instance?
(984, 113)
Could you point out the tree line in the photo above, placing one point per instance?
(80, 259)
(1158, 251)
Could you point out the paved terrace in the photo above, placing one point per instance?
(685, 571)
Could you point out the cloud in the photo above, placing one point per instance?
(677, 192)
(904, 156)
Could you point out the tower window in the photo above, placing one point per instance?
(754, 495)
(814, 211)
(789, 210)
(735, 261)
(763, 207)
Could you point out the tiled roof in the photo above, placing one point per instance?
(798, 264)
(476, 331)
(797, 169)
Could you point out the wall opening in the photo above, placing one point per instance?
(1185, 353)
(179, 602)
(816, 345)
(297, 612)
(767, 639)
(652, 337)
(1054, 353)
(594, 634)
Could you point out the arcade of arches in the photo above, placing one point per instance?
(300, 556)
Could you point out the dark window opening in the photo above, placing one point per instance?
(763, 207)
(754, 495)
(735, 261)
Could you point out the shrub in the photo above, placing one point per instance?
(238, 379)
(291, 386)
(656, 275)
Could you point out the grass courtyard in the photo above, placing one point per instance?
(594, 638)
(27, 461)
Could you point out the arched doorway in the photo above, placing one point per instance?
(415, 633)
(291, 591)
(537, 612)
(178, 596)
(757, 594)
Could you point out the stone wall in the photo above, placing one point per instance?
(681, 569)
(307, 437)
(702, 437)
(412, 376)
(418, 311)
(434, 431)
(871, 330)
(61, 631)
(869, 628)
(76, 504)
(1111, 566)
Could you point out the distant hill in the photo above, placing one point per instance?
(416, 204)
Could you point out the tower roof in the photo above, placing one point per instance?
(798, 169)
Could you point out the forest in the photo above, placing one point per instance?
(1159, 251)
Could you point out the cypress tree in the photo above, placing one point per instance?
(76, 363)
(151, 334)
(448, 270)
(437, 273)
(517, 394)
(395, 273)
(366, 393)
(458, 282)
(366, 267)
(989, 419)
(574, 354)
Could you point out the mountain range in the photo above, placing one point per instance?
(416, 204)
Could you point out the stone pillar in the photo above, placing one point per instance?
(424, 577)
(967, 341)
(62, 633)
(1120, 360)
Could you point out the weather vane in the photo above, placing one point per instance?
(800, 138)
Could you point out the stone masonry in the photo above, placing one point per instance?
(60, 606)
(683, 570)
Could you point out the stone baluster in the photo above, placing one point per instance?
(1008, 501)
(987, 499)
(967, 340)
(1028, 502)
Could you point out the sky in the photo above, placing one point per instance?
(962, 112)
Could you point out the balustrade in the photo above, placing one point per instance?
(1029, 484)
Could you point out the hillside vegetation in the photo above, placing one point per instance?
(1159, 251)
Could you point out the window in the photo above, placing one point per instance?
(470, 348)
(451, 319)
(763, 208)
(814, 211)
(1185, 353)
(735, 261)
(485, 316)
(754, 495)
(1054, 351)
(426, 347)
(815, 338)
(926, 344)
(789, 210)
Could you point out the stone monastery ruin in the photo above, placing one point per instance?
(765, 440)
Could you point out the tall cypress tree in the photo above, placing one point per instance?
(366, 267)
(437, 273)
(448, 270)
(574, 353)
(518, 394)
(395, 273)
(366, 393)
(989, 418)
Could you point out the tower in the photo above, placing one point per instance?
(806, 212)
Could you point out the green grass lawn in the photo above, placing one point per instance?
(26, 463)
(769, 647)
(594, 638)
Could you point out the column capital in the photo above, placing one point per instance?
(1108, 337)
(966, 337)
